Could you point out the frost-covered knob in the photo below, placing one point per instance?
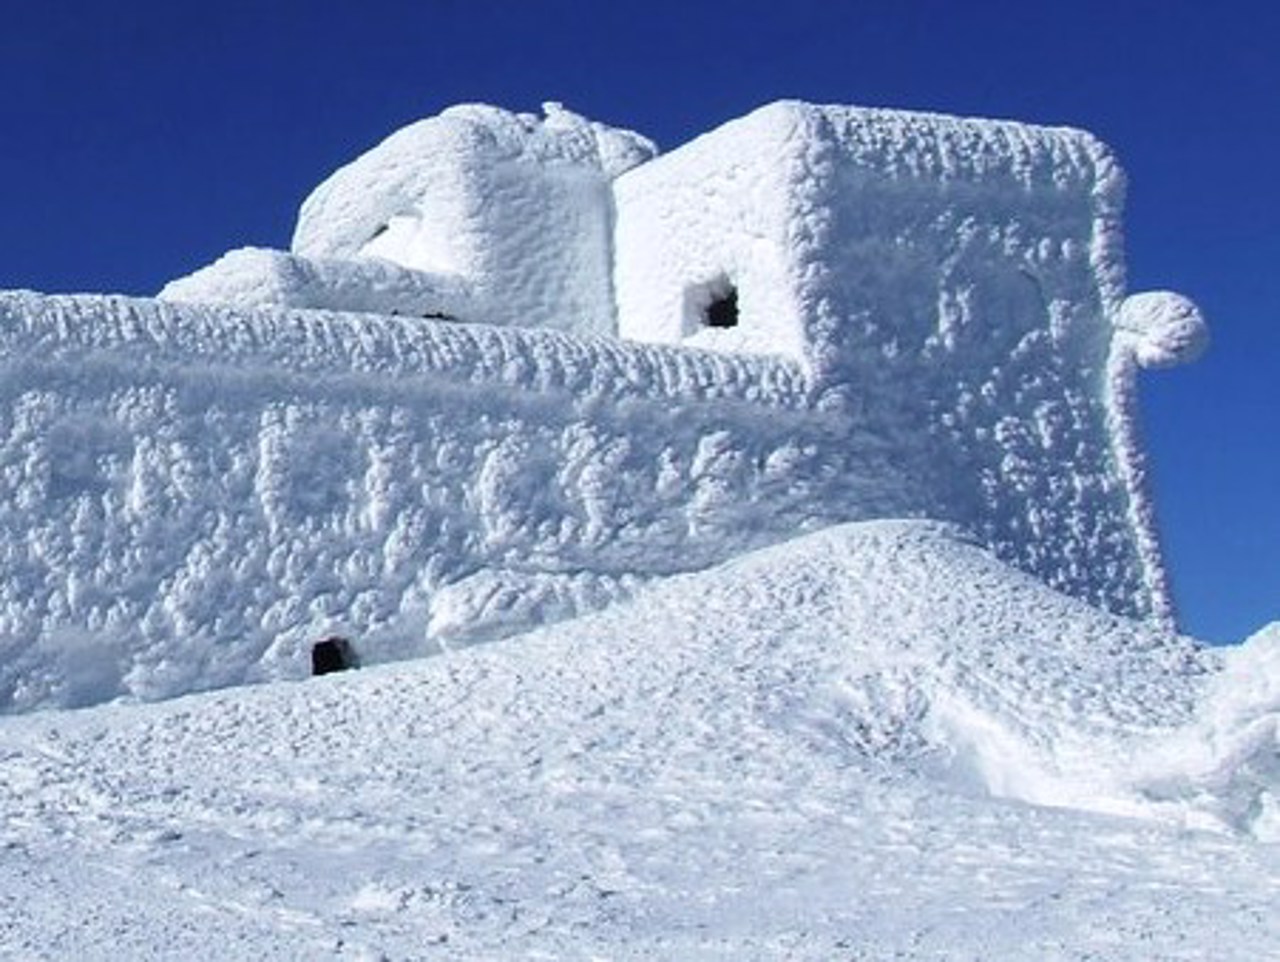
(1162, 328)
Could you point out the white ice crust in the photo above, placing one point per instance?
(932, 322)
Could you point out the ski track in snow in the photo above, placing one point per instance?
(824, 750)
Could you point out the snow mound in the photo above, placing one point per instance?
(903, 644)
(815, 747)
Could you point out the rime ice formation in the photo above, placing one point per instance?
(1161, 329)
(607, 366)
(513, 209)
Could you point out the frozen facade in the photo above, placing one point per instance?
(476, 214)
(513, 366)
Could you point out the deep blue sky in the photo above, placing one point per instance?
(141, 140)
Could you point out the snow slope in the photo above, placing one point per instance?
(823, 750)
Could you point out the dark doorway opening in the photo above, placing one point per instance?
(332, 654)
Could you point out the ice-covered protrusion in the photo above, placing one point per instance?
(517, 206)
(1152, 329)
(1161, 328)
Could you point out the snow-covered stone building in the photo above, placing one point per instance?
(476, 214)
(513, 366)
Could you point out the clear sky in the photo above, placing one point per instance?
(143, 139)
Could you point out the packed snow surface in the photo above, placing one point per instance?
(823, 750)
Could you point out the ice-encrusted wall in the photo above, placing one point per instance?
(188, 495)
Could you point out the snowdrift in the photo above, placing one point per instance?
(816, 749)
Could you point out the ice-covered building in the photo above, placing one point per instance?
(513, 366)
(476, 214)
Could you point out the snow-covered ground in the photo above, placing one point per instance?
(873, 742)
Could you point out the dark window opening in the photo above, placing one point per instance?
(332, 654)
(723, 310)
